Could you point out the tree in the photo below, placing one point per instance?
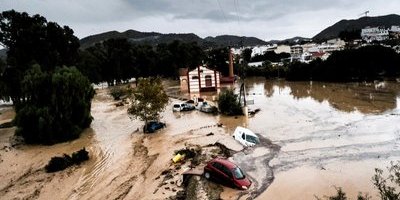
(32, 40)
(57, 105)
(246, 55)
(218, 59)
(228, 103)
(148, 100)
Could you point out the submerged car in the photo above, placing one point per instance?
(182, 107)
(245, 137)
(224, 171)
(153, 126)
(207, 108)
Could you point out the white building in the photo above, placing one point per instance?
(370, 34)
(282, 49)
(201, 79)
(395, 29)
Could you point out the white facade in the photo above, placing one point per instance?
(374, 34)
(395, 29)
(282, 49)
(203, 79)
(259, 50)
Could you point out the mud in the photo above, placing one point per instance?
(314, 136)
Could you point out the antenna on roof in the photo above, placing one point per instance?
(364, 13)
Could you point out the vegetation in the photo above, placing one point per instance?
(119, 92)
(117, 60)
(358, 24)
(387, 186)
(350, 35)
(148, 100)
(60, 163)
(228, 103)
(32, 40)
(363, 64)
(56, 107)
(270, 56)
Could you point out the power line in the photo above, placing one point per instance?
(222, 11)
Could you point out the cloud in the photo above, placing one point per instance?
(266, 19)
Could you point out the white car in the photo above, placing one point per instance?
(245, 136)
(182, 107)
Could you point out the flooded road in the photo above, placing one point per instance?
(329, 135)
(314, 136)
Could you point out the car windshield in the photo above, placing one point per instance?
(252, 139)
(237, 173)
(177, 106)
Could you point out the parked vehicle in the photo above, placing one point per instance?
(153, 126)
(224, 171)
(207, 108)
(182, 107)
(245, 136)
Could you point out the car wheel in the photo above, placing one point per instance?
(207, 175)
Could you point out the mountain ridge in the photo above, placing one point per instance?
(334, 30)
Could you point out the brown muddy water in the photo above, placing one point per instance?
(314, 137)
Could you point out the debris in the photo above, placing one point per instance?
(119, 104)
(7, 124)
(178, 157)
(210, 134)
(167, 171)
(61, 163)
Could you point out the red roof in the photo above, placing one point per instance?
(317, 54)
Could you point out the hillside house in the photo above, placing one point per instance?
(201, 79)
(370, 34)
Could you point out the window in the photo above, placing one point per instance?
(252, 139)
(237, 173)
(195, 77)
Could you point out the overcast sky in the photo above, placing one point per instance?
(265, 19)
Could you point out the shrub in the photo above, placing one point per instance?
(118, 92)
(61, 163)
(228, 103)
(56, 107)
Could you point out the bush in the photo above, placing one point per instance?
(228, 103)
(118, 92)
(387, 186)
(57, 106)
(61, 163)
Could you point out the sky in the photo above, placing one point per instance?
(265, 19)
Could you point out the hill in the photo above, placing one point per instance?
(151, 38)
(356, 24)
(154, 38)
(231, 40)
(291, 41)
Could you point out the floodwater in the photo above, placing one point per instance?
(330, 135)
(314, 136)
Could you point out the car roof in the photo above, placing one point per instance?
(224, 162)
(245, 130)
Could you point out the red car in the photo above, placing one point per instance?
(225, 171)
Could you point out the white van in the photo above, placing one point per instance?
(245, 136)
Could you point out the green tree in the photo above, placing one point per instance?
(246, 55)
(218, 59)
(148, 100)
(228, 103)
(57, 105)
(32, 40)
